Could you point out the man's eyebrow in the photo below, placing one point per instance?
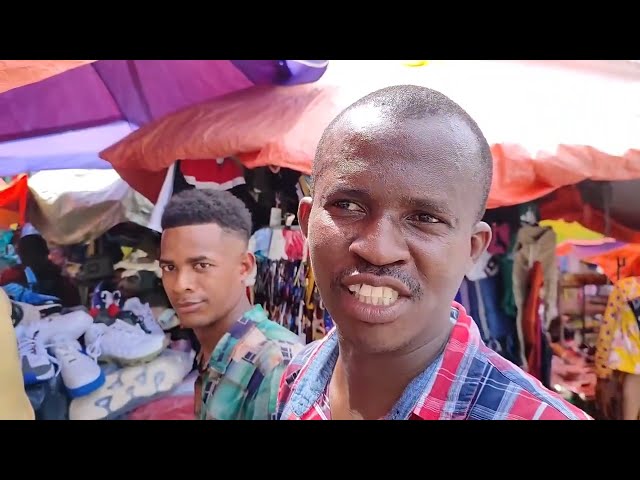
(435, 207)
(337, 189)
(430, 205)
(199, 258)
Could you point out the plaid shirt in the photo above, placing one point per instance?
(468, 381)
(241, 379)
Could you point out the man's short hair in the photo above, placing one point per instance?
(201, 207)
(404, 102)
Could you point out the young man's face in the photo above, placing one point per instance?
(392, 228)
(203, 272)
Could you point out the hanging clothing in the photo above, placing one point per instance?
(532, 316)
(535, 244)
(500, 239)
(618, 345)
(481, 299)
(214, 174)
(468, 381)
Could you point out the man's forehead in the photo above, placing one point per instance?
(432, 144)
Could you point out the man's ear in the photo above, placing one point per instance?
(247, 265)
(480, 240)
(304, 211)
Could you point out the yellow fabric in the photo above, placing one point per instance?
(14, 404)
(566, 231)
(618, 346)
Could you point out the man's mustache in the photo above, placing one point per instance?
(386, 271)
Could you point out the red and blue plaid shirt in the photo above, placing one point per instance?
(468, 381)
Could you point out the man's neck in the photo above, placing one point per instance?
(210, 335)
(369, 385)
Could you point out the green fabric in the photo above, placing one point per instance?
(243, 376)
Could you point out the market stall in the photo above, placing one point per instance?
(97, 337)
(556, 149)
(64, 234)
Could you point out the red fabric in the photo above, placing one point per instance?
(168, 408)
(13, 202)
(532, 323)
(12, 275)
(294, 244)
(212, 174)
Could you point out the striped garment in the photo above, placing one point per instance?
(468, 381)
(240, 381)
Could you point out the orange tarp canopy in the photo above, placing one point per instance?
(281, 126)
(567, 204)
(625, 258)
(17, 73)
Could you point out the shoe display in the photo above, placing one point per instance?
(81, 374)
(123, 343)
(26, 313)
(37, 363)
(70, 325)
(144, 315)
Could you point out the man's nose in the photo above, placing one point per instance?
(183, 280)
(380, 242)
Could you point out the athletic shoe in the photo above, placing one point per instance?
(123, 343)
(80, 373)
(37, 364)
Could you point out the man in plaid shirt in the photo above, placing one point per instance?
(401, 180)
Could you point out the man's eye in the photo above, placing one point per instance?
(202, 266)
(167, 268)
(346, 205)
(424, 218)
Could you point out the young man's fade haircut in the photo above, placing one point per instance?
(202, 207)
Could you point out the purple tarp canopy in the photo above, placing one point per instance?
(98, 104)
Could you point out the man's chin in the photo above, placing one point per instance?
(194, 322)
(372, 338)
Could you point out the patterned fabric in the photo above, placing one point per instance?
(618, 346)
(241, 379)
(468, 381)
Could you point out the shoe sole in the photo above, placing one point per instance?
(130, 362)
(88, 388)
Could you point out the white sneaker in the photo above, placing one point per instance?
(81, 374)
(144, 313)
(70, 325)
(123, 343)
(25, 313)
(37, 364)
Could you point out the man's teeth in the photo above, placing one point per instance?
(374, 295)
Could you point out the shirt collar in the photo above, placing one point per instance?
(315, 375)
